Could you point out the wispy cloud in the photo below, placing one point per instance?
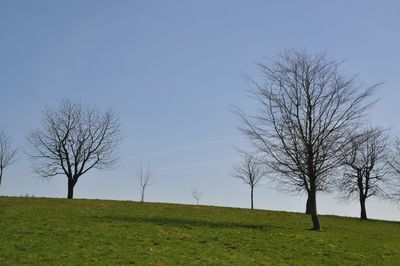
(184, 148)
(195, 167)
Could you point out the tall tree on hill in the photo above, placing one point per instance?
(308, 110)
(7, 153)
(250, 171)
(74, 139)
(366, 167)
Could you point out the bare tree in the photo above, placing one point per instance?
(196, 195)
(307, 111)
(7, 153)
(393, 186)
(74, 139)
(144, 178)
(250, 171)
(366, 167)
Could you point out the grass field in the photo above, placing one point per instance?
(71, 232)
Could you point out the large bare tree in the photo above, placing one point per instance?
(366, 167)
(307, 110)
(251, 172)
(144, 178)
(7, 153)
(74, 138)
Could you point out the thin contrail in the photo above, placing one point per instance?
(185, 147)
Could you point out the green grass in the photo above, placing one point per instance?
(71, 232)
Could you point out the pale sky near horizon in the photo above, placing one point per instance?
(172, 69)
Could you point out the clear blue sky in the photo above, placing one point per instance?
(172, 69)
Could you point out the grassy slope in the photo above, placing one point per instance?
(57, 231)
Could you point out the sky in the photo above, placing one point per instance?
(172, 70)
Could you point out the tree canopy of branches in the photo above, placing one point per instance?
(307, 112)
(7, 153)
(250, 171)
(74, 138)
(144, 178)
(366, 167)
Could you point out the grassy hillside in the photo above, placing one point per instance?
(57, 231)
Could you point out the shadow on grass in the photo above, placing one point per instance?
(185, 223)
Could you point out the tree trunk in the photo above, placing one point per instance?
(1, 175)
(313, 210)
(71, 185)
(363, 209)
(360, 184)
(142, 198)
(252, 197)
(308, 204)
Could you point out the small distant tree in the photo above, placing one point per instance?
(144, 178)
(366, 167)
(73, 140)
(250, 171)
(196, 195)
(7, 153)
